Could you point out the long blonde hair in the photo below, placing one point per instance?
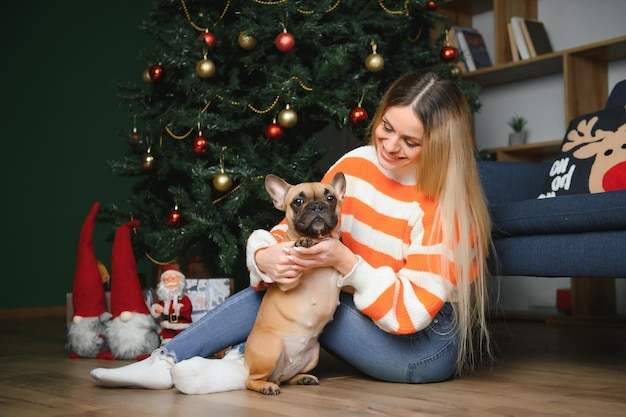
(447, 172)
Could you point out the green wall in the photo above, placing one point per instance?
(59, 126)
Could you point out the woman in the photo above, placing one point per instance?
(415, 237)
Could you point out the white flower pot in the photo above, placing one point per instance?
(517, 138)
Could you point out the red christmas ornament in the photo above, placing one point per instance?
(174, 217)
(285, 41)
(432, 6)
(199, 144)
(448, 54)
(274, 131)
(134, 138)
(358, 116)
(207, 38)
(156, 72)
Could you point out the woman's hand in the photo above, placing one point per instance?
(277, 262)
(325, 253)
(285, 263)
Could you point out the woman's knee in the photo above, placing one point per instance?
(436, 368)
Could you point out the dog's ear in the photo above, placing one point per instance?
(339, 184)
(277, 189)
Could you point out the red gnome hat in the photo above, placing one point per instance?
(87, 293)
(126, 292)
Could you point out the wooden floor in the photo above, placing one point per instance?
(543, 370)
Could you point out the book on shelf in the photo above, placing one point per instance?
(464, 48)
(473, 46)
(451, 39)
(512, 43)
(536, 37)
(519, 37)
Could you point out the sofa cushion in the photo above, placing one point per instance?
(617, 96)
(564, 214)
(506, 182)
(589, 254)
(592, 157)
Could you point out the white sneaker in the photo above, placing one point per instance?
(150, 373)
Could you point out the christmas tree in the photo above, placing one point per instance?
(235, 89)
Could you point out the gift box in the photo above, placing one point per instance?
(564, 300)
(206, 293)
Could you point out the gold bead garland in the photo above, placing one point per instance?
(395, 12)
(267, 110)
(297, 9)
(270, 3)
(309, 12)
(177, 137)
(193, 25)
(160, 263)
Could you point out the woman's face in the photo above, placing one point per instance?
(399, 138)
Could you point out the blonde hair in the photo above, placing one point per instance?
(447, 172)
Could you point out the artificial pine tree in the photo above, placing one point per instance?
(235, 89)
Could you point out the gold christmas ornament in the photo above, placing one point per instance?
(287, 117)
(374, 61)
(145, 75)
(222, 182)
(455, 70)
(247, 41)
(205, 68)
(147, 162)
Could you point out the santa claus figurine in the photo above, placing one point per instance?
(85, 338)
(174, 308)
(132, 332)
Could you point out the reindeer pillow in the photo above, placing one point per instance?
(592, 157)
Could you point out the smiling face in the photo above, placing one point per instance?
(399, 137)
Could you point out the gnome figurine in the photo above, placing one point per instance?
(85, 337)
(132, 332)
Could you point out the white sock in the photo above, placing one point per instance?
(150, 373)
(204, 376)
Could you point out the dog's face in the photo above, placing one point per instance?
(312, 209)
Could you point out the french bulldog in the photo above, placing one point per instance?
(283, 345)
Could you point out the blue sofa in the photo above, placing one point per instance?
(567, 236)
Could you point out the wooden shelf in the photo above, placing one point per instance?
(517, 71)
(547, 64)
(528, 152)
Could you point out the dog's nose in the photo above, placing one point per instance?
(316, 206)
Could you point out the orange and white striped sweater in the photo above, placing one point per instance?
(388, 224)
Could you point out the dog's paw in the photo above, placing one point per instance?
(305, 242)
(270, 391)
(262, 386)
(304, 379)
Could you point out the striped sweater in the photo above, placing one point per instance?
(388, 224)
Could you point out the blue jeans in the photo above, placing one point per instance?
(425, 356)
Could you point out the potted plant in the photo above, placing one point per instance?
(518, 136)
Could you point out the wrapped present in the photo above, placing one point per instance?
(206, 293)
